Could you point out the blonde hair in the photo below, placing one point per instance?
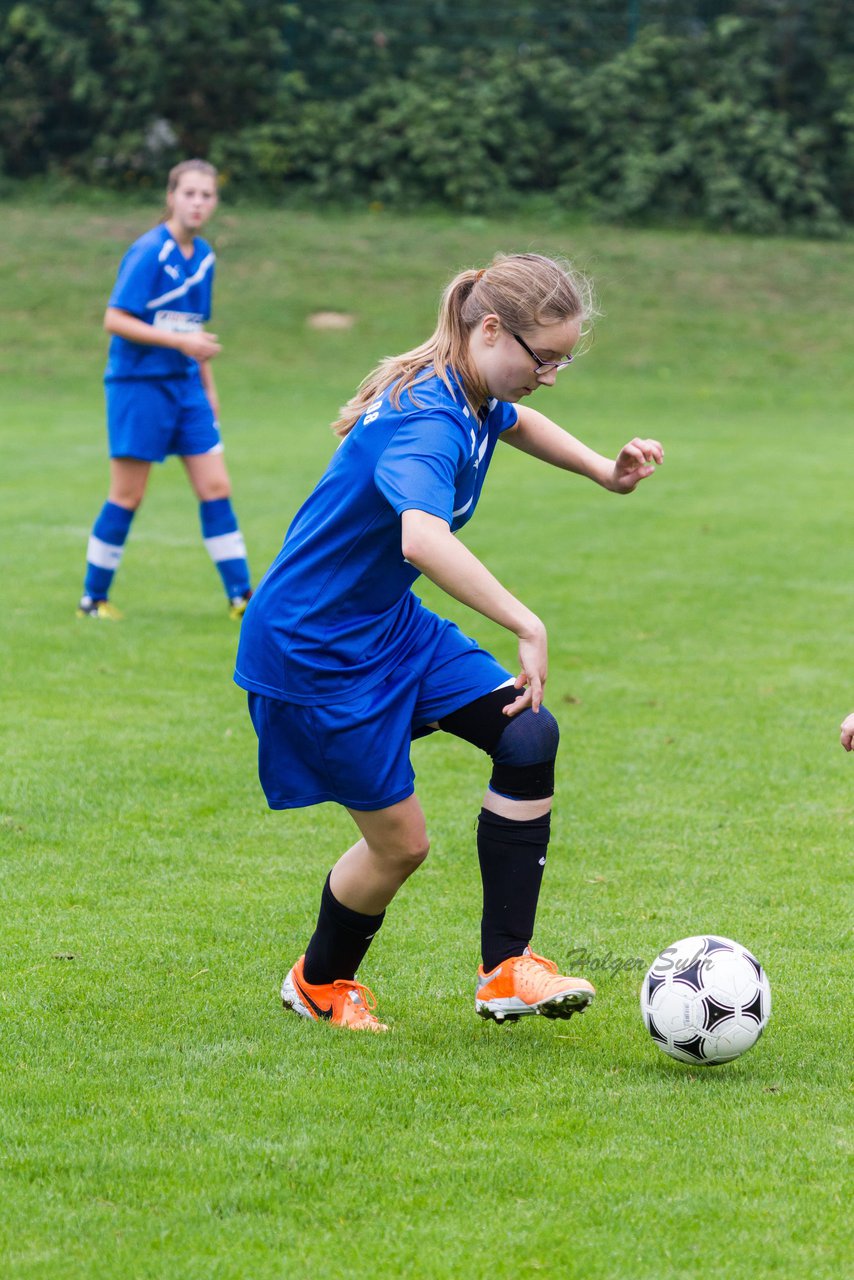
(522, 289)
(177, 172)
(188, 166)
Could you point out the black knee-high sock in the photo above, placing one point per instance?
(340, 940)
(512, 859)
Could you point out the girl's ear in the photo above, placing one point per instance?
(490, 327)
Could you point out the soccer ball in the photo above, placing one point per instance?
(705, 1000)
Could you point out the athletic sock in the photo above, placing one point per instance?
(225, 546)
(104, 552)
(339, 942)
(512, 859)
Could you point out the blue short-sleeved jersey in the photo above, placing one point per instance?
(157, 284)
(335, 615)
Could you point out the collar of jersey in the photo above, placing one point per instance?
(480, 415)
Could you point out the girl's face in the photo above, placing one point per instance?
(193, 200)
(507, 369)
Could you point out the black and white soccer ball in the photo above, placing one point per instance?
(705, 1000)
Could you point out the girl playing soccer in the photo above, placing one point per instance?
(161, 396)
(344, 665)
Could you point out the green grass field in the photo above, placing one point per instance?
(161, 1116)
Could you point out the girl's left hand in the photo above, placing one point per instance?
(635, 461)
(846, 732)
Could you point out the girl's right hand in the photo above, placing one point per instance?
(534, 664)
(846, 732)
(199, 346)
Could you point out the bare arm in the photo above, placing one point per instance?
(207, 376)
(428, 544)
(199, 346)
(538, 436)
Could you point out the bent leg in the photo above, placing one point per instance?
(514, 825)
(394, 844)
(512, 844)
(360, 886)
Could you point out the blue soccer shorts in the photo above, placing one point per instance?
(150, 418)
(357, 752)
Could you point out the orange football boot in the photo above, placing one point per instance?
(529, 984)
(344, 1003)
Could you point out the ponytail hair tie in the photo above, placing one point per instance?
(480, 274)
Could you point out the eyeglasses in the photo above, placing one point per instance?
(557, 365)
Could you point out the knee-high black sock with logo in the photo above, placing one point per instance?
(512, 859)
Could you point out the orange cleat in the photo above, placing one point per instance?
(529, 984)
(344, 1003)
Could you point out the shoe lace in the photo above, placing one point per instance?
(548, 965)
(367, 997)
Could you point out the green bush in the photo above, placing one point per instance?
(115, 90)
(743, 122)
(693, 135)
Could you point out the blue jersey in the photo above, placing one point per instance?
(335, 614)
(157, 284)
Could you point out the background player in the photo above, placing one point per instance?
(161, 395)
(344, 665)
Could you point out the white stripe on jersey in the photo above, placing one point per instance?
(103, 555)
(168, 246)
(226, 546)
(203, 270)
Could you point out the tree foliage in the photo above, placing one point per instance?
(738, 114)
(118, 87)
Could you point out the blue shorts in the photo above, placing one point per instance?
(357, 753)
(150, 418)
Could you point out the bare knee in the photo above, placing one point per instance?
(395, 839)
(208, 476)
(418, 851)
(128, 482)
(213, 490)
(407, 855)
(130, 499)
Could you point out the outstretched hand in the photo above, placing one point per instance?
(635, 461)
(846, 732)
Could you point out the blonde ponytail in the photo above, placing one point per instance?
(523, 290)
